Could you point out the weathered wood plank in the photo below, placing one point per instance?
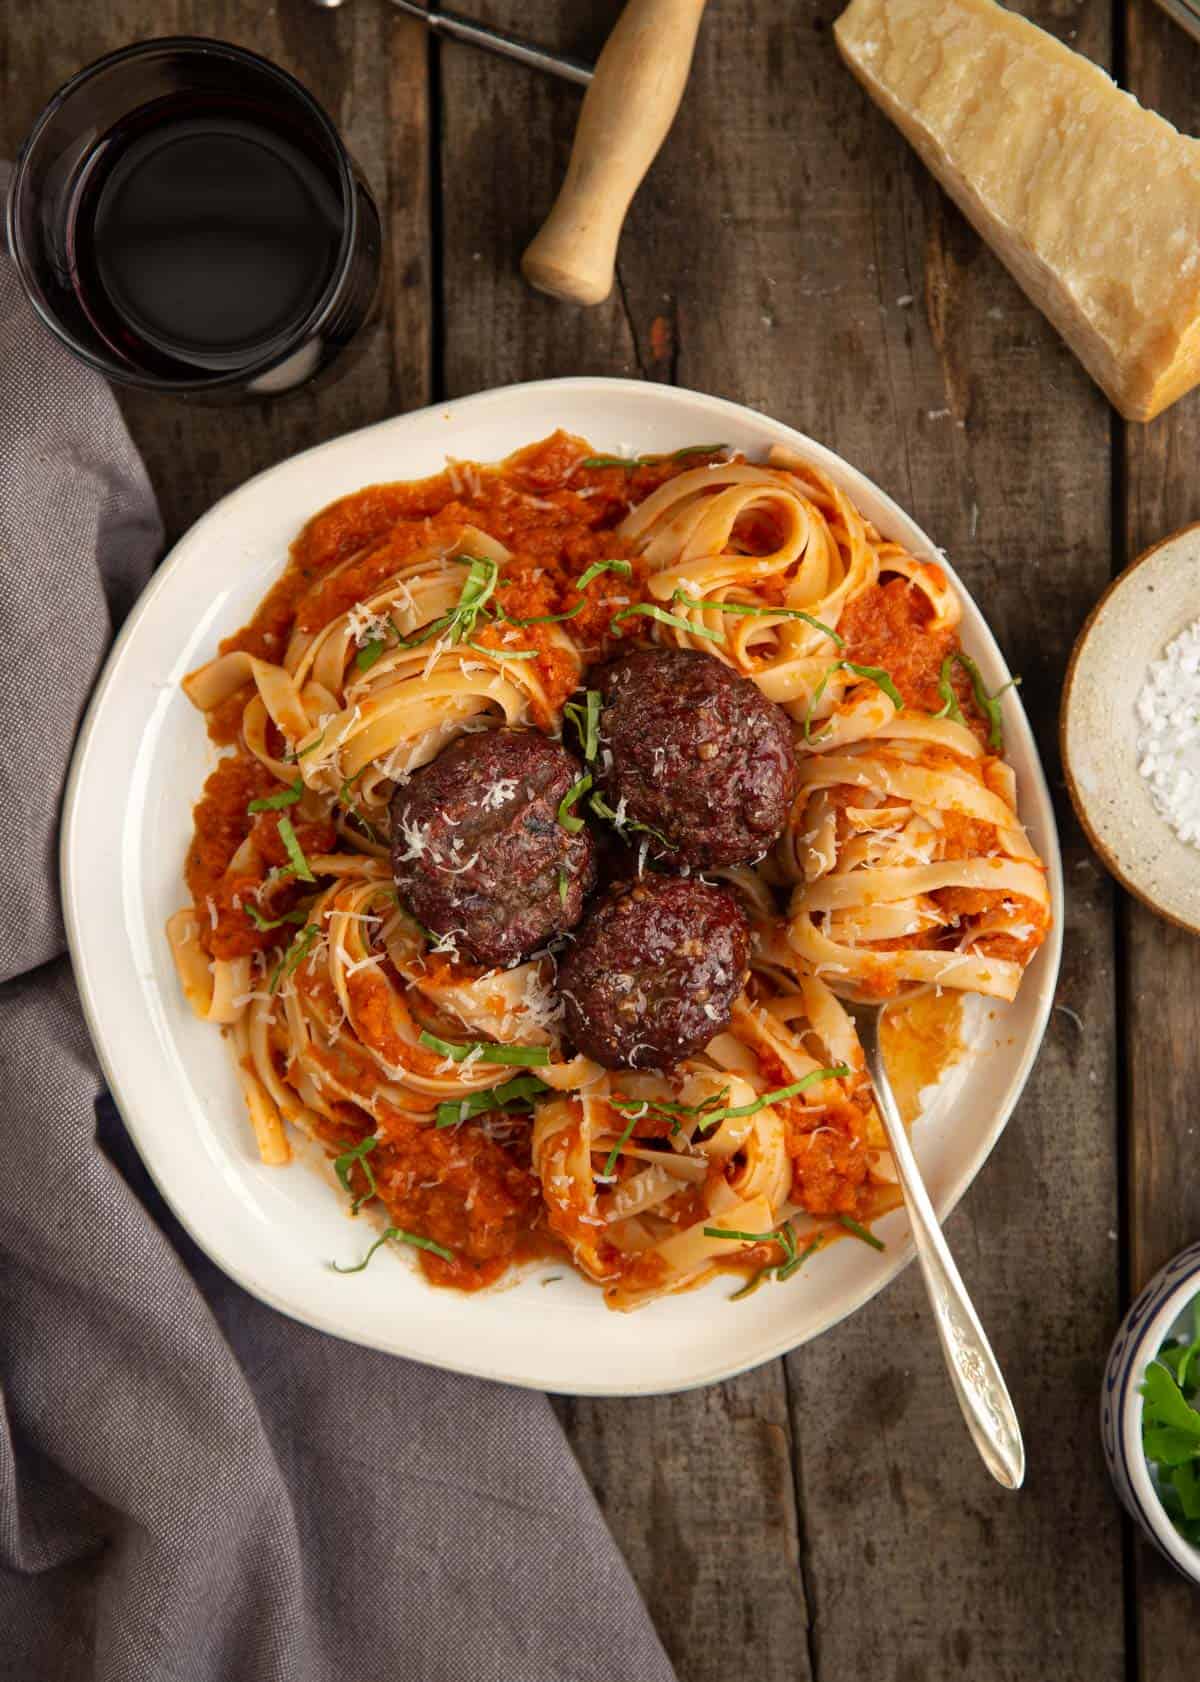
(369, 69)
(506, 136)
(698, 1490)
(843, 293)
(1162, 973)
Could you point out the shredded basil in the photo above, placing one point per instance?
(781, 1093)
(862, 1232)
(343, 793)
(525, 1056)
(369, 653)
(752, 1284)
(625, 568)
(581, 584)
(262, 923)
(294, 956)
(670, 1111)
(876, 674)
(989, 705)
(631, 462)
(566, 817)
(344, 1163)
(783, 1236)
(651, 610)
(586, 719)
(797, 1261)
(311, 748)
(544, 618)
(610, 1161)
(786, 1238)
(281, 798)
(518, 1091)
(564, 887)
(603, 810)
(949, 707)
(766, 612)
(713, 1108)
(401, 1237)
(477, 590)
(294, 851)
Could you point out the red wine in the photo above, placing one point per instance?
(203, 235)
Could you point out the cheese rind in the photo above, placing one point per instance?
(1091, 201)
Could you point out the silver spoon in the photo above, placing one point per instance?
(494, 40)
(974, 1371)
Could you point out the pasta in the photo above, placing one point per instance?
(447, 1093)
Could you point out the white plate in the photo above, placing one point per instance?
(139, 765)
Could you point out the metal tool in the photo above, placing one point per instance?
(493, 40)
(974, 1371)
(633, 95)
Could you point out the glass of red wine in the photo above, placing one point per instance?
(185, 217)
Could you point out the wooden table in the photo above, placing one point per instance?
(823, 1517)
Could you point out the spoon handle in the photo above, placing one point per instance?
(974, 1371)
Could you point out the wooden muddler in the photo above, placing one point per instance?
(638, 84)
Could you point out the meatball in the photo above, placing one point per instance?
(654, 972)
(698, 753)
(478, 851)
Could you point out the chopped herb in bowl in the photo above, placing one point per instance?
(1171, 1428)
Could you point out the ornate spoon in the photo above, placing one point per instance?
(974, 1371)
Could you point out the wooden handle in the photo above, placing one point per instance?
(635, 93)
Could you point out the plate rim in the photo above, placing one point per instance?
(716, 1370)
(1095, 840)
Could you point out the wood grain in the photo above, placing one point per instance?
(1161, 965)
(506, 136)
(698, 1491)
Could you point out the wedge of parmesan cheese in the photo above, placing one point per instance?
(1091, 201)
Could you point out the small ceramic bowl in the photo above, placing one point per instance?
(1137, 616)
(1157, 1313)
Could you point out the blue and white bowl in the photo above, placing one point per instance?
(1159, 1312)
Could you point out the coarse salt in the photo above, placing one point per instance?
(1168, 709)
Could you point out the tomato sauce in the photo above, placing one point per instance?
(471, 1193)
(890, 626)
(829, 1158)
(554, 514)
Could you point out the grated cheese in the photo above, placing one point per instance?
(447, 944)
(498, 794)
(416, 839)
(455, 869)
(372, 961)
(1168, 709)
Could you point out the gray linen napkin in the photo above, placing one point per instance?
(193, 1488)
